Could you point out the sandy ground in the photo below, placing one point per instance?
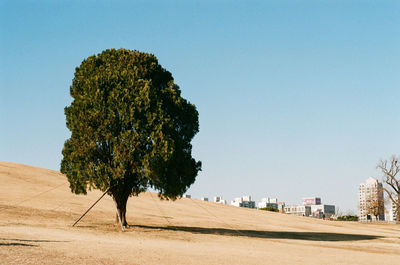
(37, 210)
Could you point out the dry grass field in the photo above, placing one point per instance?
(37, 210)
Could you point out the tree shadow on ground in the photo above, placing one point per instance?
(18, 244)
(312, 236)
(29, 240)
(24, 242)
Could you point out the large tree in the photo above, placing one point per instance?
(392, 180)
(130, 129)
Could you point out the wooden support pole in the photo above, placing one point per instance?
(91, 207)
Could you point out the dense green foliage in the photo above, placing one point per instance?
(130, 128)
(269, 208)
(347, 218)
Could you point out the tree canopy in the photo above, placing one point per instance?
(130, 129)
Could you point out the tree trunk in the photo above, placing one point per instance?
(120, 192)
(398, 209)
(120, 204)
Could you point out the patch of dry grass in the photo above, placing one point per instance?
(36, 229)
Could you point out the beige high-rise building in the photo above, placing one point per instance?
(371, 201)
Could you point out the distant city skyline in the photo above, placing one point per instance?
(296, 98)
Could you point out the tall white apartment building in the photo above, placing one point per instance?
(371, 201)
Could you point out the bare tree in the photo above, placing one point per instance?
(374, 205)
(390, 172)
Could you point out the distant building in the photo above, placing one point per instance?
(187, 196)
(218, 199)
(281, 207)
(371, 201)
(312, 201)
(268, 202)
(299, 210)
(311, 207)
(244, 201)
(204, 199)
(322, 210)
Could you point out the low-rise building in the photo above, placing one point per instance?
(218, 199)
(311, 201)
(204, 199)
(244, 201)
(322, 210)
(311, 207)
(281, 207)
(268, 202)
(299, 210)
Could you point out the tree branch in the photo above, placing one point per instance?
(396, 202)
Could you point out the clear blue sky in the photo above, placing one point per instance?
(296, 98)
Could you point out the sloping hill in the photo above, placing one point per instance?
(37, 210)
